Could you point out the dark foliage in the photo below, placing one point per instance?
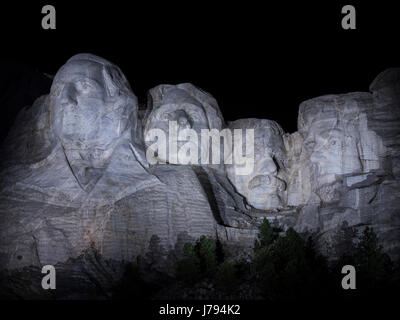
(188, 268)
(134, 286)
(284, 267)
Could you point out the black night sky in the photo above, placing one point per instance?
(257, 59)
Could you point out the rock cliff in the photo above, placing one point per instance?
(75, 178)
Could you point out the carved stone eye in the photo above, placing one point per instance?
(334, 142)
(166, 116)
(83, 86)
(310, 145)
(183, 121)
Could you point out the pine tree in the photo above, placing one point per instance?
(156, 253)
(205, 250)
(226, 276)
(219, 251)
(265, 235)
(285, 271)
(344, 241)
(188, 267)
(372, 263)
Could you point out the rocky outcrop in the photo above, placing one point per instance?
(76, 181)
(347, 168)
(75, 177)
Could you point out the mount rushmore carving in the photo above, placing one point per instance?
(75, 175)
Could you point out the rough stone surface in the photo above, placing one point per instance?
(76, 189)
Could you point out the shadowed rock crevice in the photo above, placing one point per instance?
(208, 189)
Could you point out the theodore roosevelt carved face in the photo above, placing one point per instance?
(265, 187)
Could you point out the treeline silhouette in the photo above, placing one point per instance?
(284, 266)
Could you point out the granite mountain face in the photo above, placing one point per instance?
(75, 178)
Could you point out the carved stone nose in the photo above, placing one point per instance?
(268, 166)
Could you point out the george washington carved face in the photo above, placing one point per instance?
(92, 104)
(91, 107)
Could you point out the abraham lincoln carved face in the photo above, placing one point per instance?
(338, 141)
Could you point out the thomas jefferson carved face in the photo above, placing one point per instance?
(265, 187)
(185, 105)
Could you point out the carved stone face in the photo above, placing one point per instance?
(337, 139)
(187, 116)
(91, 107)
(92, 103)
(331, 151)
(265, 187)
(185, 105)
